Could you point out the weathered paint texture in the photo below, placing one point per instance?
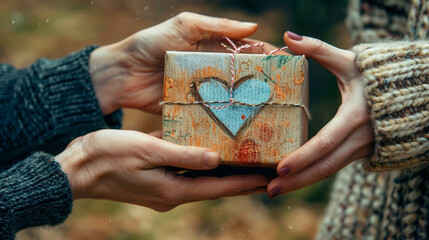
(243, 135)
(252, 91)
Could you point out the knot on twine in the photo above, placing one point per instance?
(234, 51)
(231, 101)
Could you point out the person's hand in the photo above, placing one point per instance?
(130, 166)
(347, 137)
(130, 73)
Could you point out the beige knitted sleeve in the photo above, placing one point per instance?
(396, 75)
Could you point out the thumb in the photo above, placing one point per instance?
(217, 27)
(187, 157)
(338, 61)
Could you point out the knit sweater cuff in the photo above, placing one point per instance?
(33, 192)
(396, 76)
(69, 96)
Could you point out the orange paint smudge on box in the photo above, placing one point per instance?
(280, 92)
(176, 108)
(226, 157)
(274, 151)
(168, 84)
(259, 69)
(298, 79)
(265, 132)
(198, 142)
(249, 152)
(209, 72)
(206, 122)
(214, 128)
(285, 124)
(194, 124)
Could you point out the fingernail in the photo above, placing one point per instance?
(211, 159)
(294, 36)
(283, 171)
(274, 192)
(249, 24)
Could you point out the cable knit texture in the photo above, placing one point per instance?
(33, 192)
(384, 203)
(391, 200)
(42, 108)
(45, 106)
(396, 75)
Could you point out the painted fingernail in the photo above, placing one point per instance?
(294, 36)
(283, 171)
(274, 192)
(211, 159)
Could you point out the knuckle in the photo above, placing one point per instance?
(89, 142)
(320, 47)
(146, 150)
(325, 143)
(90, 138)
(299, 161)
(292, 184)
(183, 17)
(186, 156)
(324, 170)
(224, 22)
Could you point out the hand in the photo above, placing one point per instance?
(129, 166)
(130, 73)
(347, 137)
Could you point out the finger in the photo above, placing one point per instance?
(249, 192)
(163, 153)
(261, 50)
(74, 140)
(157, 133)
(220, 45)
(316, 172)
(215, 27)
(326, 141)
(203, 188)
(338, 61)
(353, 148)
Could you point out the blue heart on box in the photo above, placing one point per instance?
(234, 118)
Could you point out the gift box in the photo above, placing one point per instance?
(254, 122)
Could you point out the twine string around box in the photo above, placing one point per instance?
(231, 101)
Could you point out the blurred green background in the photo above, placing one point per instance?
(32, 29)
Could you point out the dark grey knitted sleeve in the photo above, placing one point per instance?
(45, 106)
(42, 108)
(33, 192)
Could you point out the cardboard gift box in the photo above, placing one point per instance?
(265, 118)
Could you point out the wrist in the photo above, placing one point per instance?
(70, 161)
(108, 70)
